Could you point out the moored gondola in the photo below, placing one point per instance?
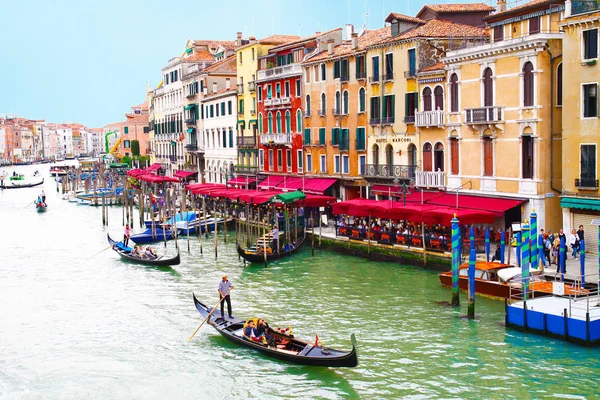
(294, 351)
(256, 254)
(125, 253)
(14, 185)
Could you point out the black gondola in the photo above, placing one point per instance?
(125, 254)
(257, 256)
(295, 351)
(13, 185)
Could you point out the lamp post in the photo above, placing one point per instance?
(404, 187)
(396, 183)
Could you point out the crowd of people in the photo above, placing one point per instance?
(147, 254)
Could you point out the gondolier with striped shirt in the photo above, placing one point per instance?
(224, 287)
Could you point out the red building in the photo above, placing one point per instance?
(279, 98)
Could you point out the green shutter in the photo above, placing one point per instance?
(322, 136)
(406, 103)
(384, 108)
(372, 100)
(307, 136)
(393, 106)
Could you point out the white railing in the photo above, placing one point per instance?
(268, 102)
(430, 179)
(280, 72)
(429, 118)
(276, 138)
(286, 100)
(483, 115)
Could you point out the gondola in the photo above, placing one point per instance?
(41, 207)
(257, 256)
(124, 252)
(13, 185)
(295, 351)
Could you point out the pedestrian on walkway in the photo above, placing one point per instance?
(574, 242)
(580, 233)
(275, 244)
(555, 250)
(224, 287)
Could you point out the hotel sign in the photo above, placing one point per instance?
(394, 140)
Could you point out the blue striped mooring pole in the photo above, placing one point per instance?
(502, 246)
(487, 244)
(582, 261)
(534, 241)
(526, 259)
(518, 237)
(472, 259)
(455, 261)
(562, 262)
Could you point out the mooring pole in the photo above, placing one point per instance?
(502, 246)
(487, 244)
(533, 237)
(526, 260)
(472, 262)
(455, 261)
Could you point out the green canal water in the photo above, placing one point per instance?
(76, 325)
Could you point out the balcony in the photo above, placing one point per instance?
(246, 142)
(361, 75)
(190, 121)
(252, 112)
(240, 89)
(584, 6)
(388, 120)
(336, 111)
(322, 113)
(483, 115)
(191, 147)
(277, 101)
(430, 179)
(276, 139)
(190, 96)
(251, 87)
(306, 114)
(286, 100)
(409, 119)
(410, 74)
(344, 78)
(374, 79)
(245, 169)
(279, 72)
(389, 171)
(374, 121)
(586, 184)
(388, 76)
(429, 118)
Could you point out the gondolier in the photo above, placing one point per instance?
(224, 287)
(126, 235)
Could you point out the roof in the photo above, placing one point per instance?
(402, 17)
(365, 40)
(142, 106)
(436, 28)
(279, 39)
(232, 89)
(439, 66)
(522, 8)
(199, 55)
(213, 44)
(227, 65)
(302, 40)
(456, 8)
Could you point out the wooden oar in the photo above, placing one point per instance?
(29, 204)
(100, 252)
(208, 316)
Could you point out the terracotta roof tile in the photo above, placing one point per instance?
(453, 8)
(439, 29)
(213, 44)
(228, 65)
(521, 8)
(199, 55)
(304, 39)
(365, 40)
(402, 17)
(435, 67)
(279, 39)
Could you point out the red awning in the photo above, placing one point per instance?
(184, 174)
(290, 184)
(157, 178)
(240, 181)
(386, 189)
(208, 189)
(135, 172)
(270, 182)
(154, 167)
(313, 200)
(195, 186)
(251, 195)
(318, 185)
(492, 204)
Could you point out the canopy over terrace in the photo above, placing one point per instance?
(184, 174)
(156, 178)
(240, 181)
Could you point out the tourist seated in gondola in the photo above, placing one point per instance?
(250, 331)
(149, 254)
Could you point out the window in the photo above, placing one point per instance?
(488, 88)
(240, 57)
(335, 136)
(316, 71)
(323, 76)
(271, 159)
(269, 92)
(345, 70)
(259, 92)
(288, 160)
(345, 102)
(323, 104)
(345, 164)
(336, 69)
(224, 139)
(412, 62)
(306, 75)
(279, 160)
(338, 101)
(499, 33)
(375, 61)
(287, 89)
(212, 110)
(559, 85)
(375, 152)
(298, 87)
(375, 108)
(322, 136)
(527, 156)
(438, 95)
(360, 139)
(253, 56)
(488, 157)
(288, 122)
(454, 156)
(298, 121)
(217, 109)
(336, 164)
(427, 99)
(278, 90)
(362, 100)
(360, 67)
(588, 165)
(126, 144)
(534, 25)
(427, 161)
(590, 100)
(300, 158)
(590, 44)
(389, 66)
(454, 93)
(307, 136)
(261, 159)
(388, 108)
(362, 164)
(438, 155)
(309, 163)
(323, 169)
(146, 129)
(230, 108)
(270, 122)
(278, 123)
(307, 104)
(126, 129)
(222, 108)
(528, 84)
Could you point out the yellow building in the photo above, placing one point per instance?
(504, 124)
(581, 127)
(247, 67)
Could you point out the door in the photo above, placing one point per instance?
(590, 231)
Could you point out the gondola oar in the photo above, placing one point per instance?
(29, 204)
(100, 252)
(208, 316)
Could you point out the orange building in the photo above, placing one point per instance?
(135, 127)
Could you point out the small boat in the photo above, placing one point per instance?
(147, 237)
(41, 207)
(255, 254)
(125, 253)
(496, 280)
(295, 350)
(14, 185)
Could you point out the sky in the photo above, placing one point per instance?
(89, 61)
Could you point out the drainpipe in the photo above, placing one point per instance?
(552, 59)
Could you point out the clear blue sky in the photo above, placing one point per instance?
(88, 61)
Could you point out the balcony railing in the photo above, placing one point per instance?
(336, 111)
(409, 119)
(240, 89)
(429, 118)
(190, 96)
(361, 75)
(246, 142)
(286, 100)
(245, 169)
(277, 101)
(388, 120)
(374, 79)
(322, 113)
(276, 139)
(190, 121)
(191, 147)
(345, 78)
(410, 73)
(584, 6)
(389, 171)
(388, 76)
(251, 86)
(483, 115)
(306, 114)
(280, 72)
(374, 121)
(430, 179)
(586, 183)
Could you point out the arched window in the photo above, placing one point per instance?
(338, 101)
(427, 99)
(288, 122)
(439, 157)
(528, 84)
(278, 122)
(260, 123)
(346, 106)
(454, 93)
(362, 100)
(559, 85)
(299, 121)
(427, 157)
(412, 155)
(389, 155)
(308, 104)
(438, 94)
(270, 121)
(488, 88)
(376, 154)
(323, 104)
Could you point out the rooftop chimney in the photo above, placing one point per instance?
(330, 46)
(214, 87)
(501, 6)
(354, 41)
(349, 31)
(238, 42)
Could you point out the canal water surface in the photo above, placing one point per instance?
(78, 324)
